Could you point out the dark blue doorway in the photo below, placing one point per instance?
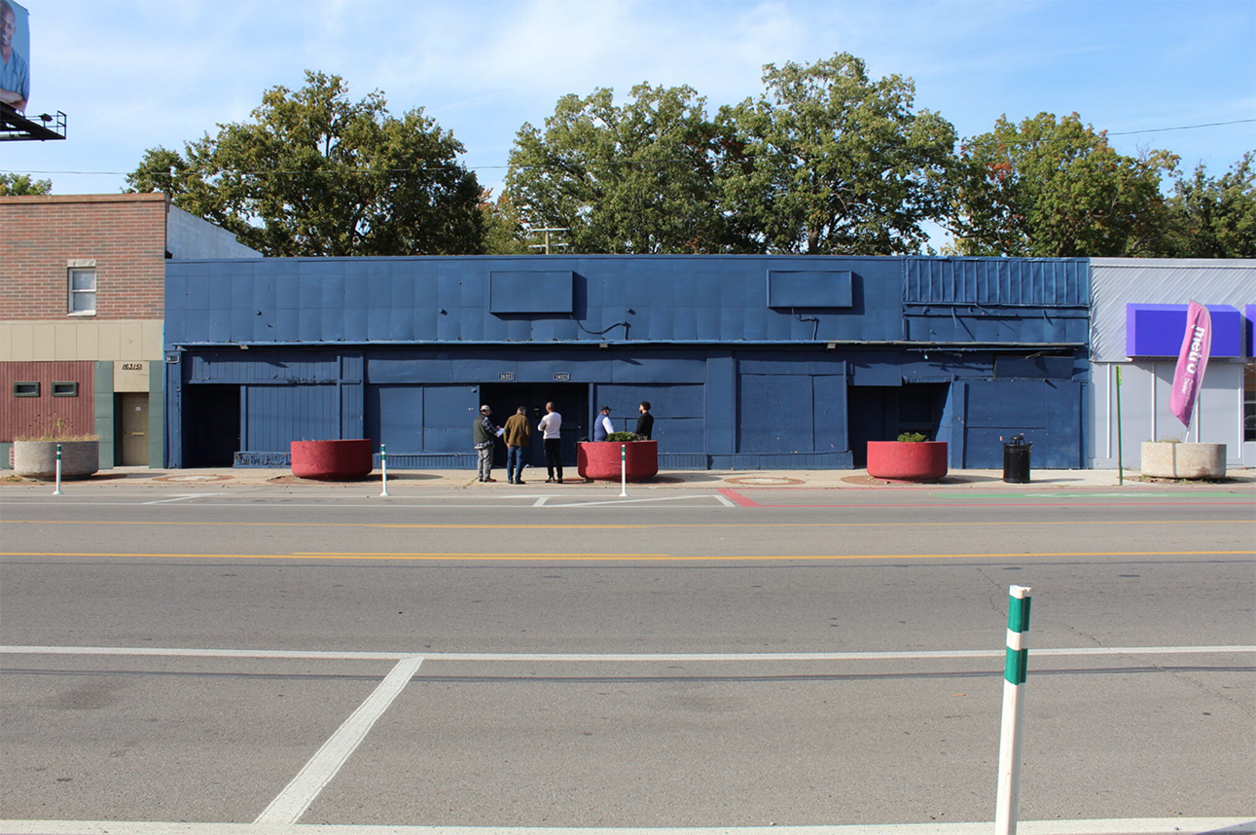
(571, 400)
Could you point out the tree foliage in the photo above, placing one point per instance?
(1056, 188)
(1215, 217)
(21, 184)
(317, 174)
(829, 161)
(504, 233)
(632, 178)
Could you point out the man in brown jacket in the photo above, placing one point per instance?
(517, 435)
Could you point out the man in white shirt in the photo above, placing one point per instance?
(549, 427)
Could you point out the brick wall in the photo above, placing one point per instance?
(124, 233)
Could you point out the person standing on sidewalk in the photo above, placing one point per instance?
(602, 426)
(517, 435)
(645, 423)
(483, 432)
(549, 427)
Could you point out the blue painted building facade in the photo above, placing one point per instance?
(750, 362)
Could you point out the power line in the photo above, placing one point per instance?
(584, 164)
(1182, 127)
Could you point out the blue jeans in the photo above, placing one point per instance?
(514, 463)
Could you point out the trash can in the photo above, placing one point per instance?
(1016, 460)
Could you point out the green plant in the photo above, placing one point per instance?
(623, 436)
(911, 438)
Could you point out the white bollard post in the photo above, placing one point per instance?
(383, 465)
(1014, 673)
(623, 471)
(57, 492)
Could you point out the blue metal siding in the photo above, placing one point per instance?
(652, 299)
(1046, 412)
(1003, 282)
(775, 414)
(274, 416)
(678, 409)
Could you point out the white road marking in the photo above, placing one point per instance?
(725, 500)
(541, 501)
(180, 498)
(297, 796)
(341, 655)
(1115, 826)
(628, 501)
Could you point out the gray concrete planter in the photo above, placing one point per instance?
(38, 459)
(1188, 460)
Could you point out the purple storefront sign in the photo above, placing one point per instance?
(1155, 330)
(1192, 363)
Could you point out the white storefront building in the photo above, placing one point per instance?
(1138, 317)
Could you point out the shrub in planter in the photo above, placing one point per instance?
(37, 457)
(600, 460)
(910, 458)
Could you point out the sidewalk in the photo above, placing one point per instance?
(1239, 480)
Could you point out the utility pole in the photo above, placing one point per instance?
(546, 246)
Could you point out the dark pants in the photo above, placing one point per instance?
(554, 457)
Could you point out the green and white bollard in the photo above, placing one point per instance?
(57, 491)
(383, 466)
(1013, 710)
(623, 471)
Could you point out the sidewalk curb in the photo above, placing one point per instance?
(1238, 480)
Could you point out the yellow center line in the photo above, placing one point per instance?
(645, 557)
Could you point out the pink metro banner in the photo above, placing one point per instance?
(1192, 362)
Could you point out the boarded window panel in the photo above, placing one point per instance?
(775, 414)
(277, 415)
(1012, 405)
(447, 415)
(531, 292)
(810, 288)
(393, 417)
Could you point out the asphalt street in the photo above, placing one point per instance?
(232, 660)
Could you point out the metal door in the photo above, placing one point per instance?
(134, 429)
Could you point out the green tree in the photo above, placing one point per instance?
(504, 233)
(316, 174)
(1215, 217)
(829, 161)
(20, 184)
(632, 178)
(1056, 188)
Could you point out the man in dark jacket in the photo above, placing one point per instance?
(645, 423)
(517, 435)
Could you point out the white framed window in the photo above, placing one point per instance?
(82, 290)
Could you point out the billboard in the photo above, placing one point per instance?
(15, 51)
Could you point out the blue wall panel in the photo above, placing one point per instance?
(679, 412)
(775, 414)
(274, 416)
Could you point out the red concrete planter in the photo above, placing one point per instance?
(332, 460)
(600, 460)
(907, 461)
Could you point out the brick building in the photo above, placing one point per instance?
(81, 302)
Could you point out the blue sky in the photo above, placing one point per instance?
(134, 75)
